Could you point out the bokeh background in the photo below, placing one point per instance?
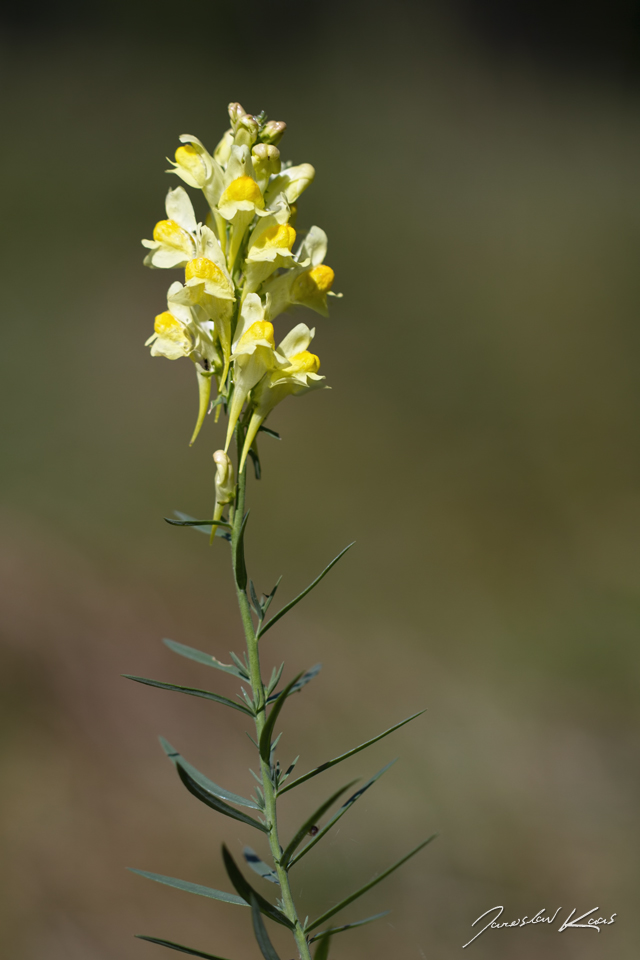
(478, 179)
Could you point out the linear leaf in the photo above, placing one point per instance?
(339, 813)
(192, 654)
(368, 886)
(349, 753)
(266, 947)
(192, 887)
(300, 596)
(219, 805)
(180, 948)
(246, 891)
(322, 950)
(259, 866)
(208, 785)
(197, 523)
(191, 691)
(271, 433)
(302, 682)
(239, 568)
(310, 822)
(348, 926)
(267, 730)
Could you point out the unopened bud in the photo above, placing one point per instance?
(246, 131)
(266, 160)
(236, 110)
(273, 131)
(225, 478)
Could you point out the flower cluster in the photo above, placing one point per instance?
(240, 274)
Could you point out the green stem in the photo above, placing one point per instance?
(260, 701)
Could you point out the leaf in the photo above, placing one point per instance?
(271, 433)
(192, 692)
(208, 785)
(179, 948)
(302, 682)
(192, 887)
(300, 596)
(197, 523)
(347, 926)
(239, 568)
(266, 947)
(192, 654)
(259, 866)
(204, 526)
(245, 890)
(349, 753)
(219, 805)
(368, 886)
(269, 597)
(322, 951)
(257, 606)
(256, 463)
(339, 813)
(267, 730)
(310, 822)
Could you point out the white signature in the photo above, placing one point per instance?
(592, 923)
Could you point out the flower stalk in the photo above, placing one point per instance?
(240, 276)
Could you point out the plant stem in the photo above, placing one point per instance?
(260, 702)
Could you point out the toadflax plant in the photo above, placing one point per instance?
(240, 275)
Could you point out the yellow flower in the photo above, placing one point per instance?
(308, 283)
(269, 248)
(174, 239)
(225, 486)
(254, 354)
(298, 375)
(170, 338)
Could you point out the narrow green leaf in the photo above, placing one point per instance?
(255, 459)
(239, 568)
(192, 654)
(245, 890)
(271, 433)
(300, 596)
(208, 785)
(259, 866)
(192, 887)
(180, 948)
(347, 926)
(219, 805)
(349, 753)
(322, 950)
(197, 523)
(257, 606)
(270, 596)
(372, 883)
(339, 813)
(267, 730)
(302, 682)
(262, 937)
(191, 691)
(310, 822)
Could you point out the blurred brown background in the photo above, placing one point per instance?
(478, 179)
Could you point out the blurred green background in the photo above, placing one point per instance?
(478, 179)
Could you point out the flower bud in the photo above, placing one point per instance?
(225, 478)
(246, 131)
(273, 131)
(266, 161)
(236, 110)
